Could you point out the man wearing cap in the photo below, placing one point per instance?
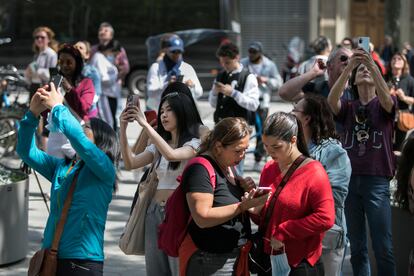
(169, 69)
(268, 79)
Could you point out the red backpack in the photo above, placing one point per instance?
(173, 230)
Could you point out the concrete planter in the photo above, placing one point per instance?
(13, 216)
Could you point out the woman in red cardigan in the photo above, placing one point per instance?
(304, 209)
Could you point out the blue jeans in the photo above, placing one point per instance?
(156, 261)
(369, 196)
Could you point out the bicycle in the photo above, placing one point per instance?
(11, 111)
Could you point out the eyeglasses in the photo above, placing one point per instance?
(176, 52)
(39, 37)
(343, 58)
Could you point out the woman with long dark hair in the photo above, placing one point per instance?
(368, 122)
(81, 246)
(318, 124)
(79, 94)
(174, 142)
(304, 209)
(401, 85)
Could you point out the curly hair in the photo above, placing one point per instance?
(322, 123)
(405, 166)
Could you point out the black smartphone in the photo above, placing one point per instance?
(57, 80)
(180, 78)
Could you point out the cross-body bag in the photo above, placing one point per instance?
(259, 261)
(44, 261)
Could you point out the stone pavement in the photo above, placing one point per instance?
(116, 262)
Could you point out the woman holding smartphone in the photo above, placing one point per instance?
(304, 209)
(219, 225)
(81, 247)
(176, 140)
(79, 94)
(368, 123)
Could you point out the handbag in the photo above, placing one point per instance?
(405, 121)
(132, 240)
(44, 261)
(259, 261)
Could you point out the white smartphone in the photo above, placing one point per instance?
(262, 191)
(363, 42)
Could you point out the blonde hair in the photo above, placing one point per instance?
(51, 36)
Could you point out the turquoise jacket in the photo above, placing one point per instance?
(83, 234)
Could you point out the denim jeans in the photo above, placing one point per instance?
(369, 196)
(205, 263)
(156, 261)
(76, 267)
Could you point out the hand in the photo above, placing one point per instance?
(246, 183)
(66, 85)
(225, 89)
(253, 204)
(316, 70)
(189, 83)
(36, 106)
(261, 79)
(138, 116)
(125, 118)
(365, 58)
(50, 98)
(172, 79)
(400, 94)
(276, 244)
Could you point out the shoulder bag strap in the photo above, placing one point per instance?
(64, 214)
(269, 211)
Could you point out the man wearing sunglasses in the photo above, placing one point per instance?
(268, 79)
(294, 89)
(170, 68)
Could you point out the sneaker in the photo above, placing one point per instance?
(256, 167)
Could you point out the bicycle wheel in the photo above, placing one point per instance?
(8, 135)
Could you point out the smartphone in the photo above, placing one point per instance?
(57, 80)
(180, 78)
(363, 42)
(150, 115)
(133, 100)
(262, 191)
(321, 64)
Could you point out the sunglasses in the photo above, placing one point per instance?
(252, 51)
(343, 58)
(40, 37)
(176, 52)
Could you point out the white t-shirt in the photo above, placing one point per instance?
(167, 177)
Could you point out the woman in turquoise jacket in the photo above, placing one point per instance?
(97, 152)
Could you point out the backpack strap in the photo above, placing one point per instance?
(206, 164)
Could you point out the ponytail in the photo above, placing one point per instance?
(301, 142)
